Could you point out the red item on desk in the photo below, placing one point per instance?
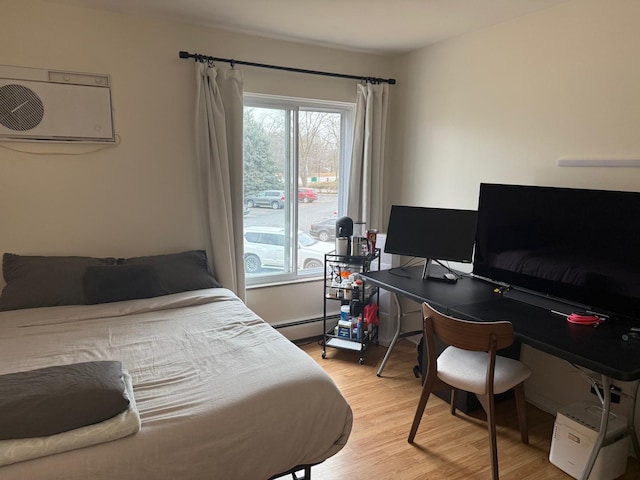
(584, 319)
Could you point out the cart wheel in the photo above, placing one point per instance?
(361, 361)
(324, 354)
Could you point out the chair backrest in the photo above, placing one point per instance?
(468, 335)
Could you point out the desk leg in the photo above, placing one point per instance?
(604, 421)
(631, 425)
(395, 335)
(398, 334)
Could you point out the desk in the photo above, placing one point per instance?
(601, 349)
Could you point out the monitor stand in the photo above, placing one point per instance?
(426, 269)
(426, 275)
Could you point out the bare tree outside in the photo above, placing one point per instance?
(319, 146)
(318, 143)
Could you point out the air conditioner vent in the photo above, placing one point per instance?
(20, 108)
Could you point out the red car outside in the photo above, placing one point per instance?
(307, 195)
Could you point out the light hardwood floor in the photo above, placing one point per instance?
(446, 447)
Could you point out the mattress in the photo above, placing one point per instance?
(221, 394)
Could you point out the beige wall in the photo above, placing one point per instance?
(504, 103)
(139, 198)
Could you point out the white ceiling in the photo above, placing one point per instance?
(376, 26)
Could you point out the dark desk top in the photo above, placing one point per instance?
(408, 282)
(599, 349)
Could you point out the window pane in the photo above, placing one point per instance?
(291, 151)
(266, 163)
(319, 148)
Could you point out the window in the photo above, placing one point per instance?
(293, 149)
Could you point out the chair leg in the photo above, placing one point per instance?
(454, 392)
(521, 408)
(488, 404)
(422, 403)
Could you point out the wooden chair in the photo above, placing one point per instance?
(470, 363)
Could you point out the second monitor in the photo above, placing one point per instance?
(431, 233)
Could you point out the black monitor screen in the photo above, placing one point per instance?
(576, 244)
(433, 233)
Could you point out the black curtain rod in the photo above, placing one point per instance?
(206, 58)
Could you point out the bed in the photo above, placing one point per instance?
(220, 393)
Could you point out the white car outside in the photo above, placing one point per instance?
(264, 247)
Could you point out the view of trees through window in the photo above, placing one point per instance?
(291, 151)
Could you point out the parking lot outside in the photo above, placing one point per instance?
(323, 207)
(265, 257)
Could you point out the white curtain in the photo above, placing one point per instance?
(365, 194)
(219, 159)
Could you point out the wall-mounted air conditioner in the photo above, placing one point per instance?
(48, 105)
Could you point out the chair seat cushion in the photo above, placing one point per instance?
(467, 370)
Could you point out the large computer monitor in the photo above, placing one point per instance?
(579, 245)
(431, 233)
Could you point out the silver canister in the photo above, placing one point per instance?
(342, 245)
(359, 246)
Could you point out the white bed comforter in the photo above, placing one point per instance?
(221, 394)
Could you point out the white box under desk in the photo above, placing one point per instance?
(574, 434)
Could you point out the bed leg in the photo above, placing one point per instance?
(307, 474)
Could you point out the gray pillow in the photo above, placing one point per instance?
(178, 272)
(52, 400)
(115, 283)
(37, 281)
